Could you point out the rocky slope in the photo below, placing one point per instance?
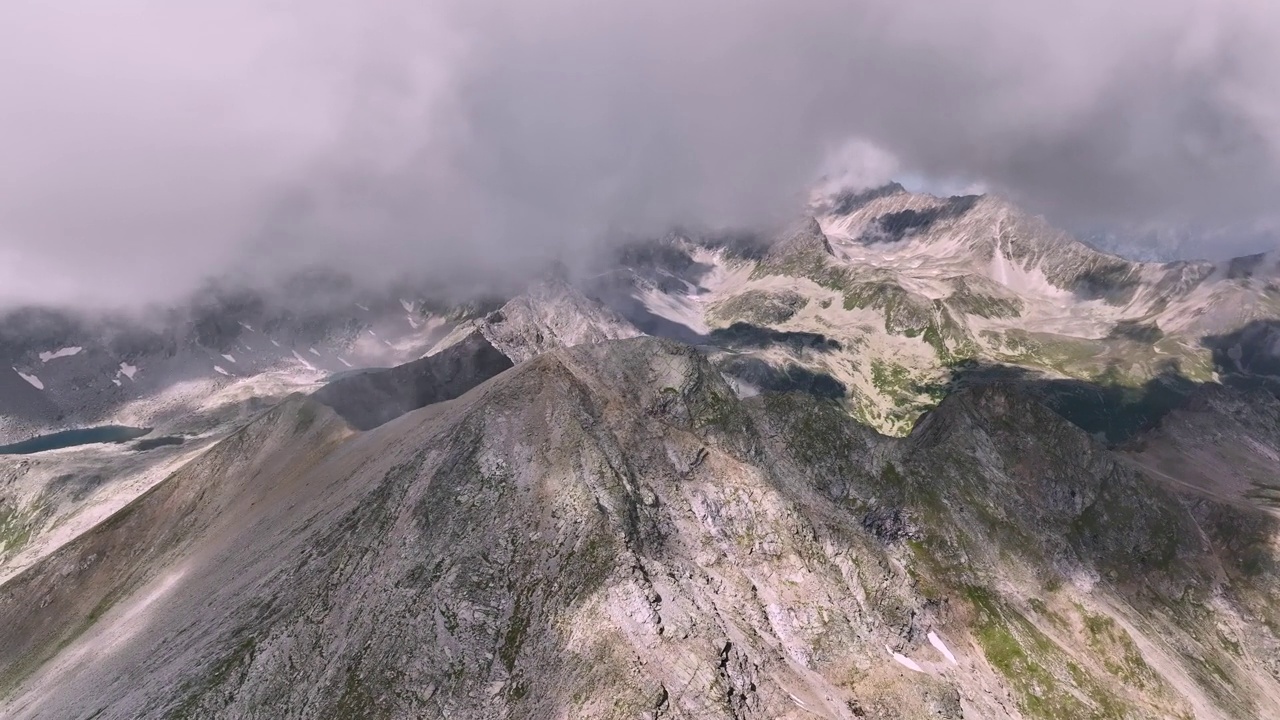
(913, 457)
(366, 399)
(209, 377)
(609, 531)
(912, 287)
(908, 286)
(1223, 442)
(550, 314)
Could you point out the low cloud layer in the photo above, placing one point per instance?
(145, 145)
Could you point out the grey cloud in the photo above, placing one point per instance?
(147, 144)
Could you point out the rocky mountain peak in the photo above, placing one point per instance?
(802, 239)
(847, 201)
(993, 408)
(549, 315)
(525, 507)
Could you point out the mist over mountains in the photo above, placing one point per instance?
(913, 457)
(150, 146)
(672, 360)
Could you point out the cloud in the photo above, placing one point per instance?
(857, 165)
(149, 144)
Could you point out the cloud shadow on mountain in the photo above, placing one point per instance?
(375, 397)
(1114, 284)
(896, 226)
(789, 377)
(1107, 408)
(743, 335)
(1248, 358)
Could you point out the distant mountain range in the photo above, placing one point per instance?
(913, 457)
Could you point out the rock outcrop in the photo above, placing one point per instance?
(607, 530)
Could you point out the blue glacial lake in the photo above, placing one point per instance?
(73, 438)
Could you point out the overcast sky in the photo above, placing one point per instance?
(145, 144)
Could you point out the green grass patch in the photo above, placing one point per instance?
(1039, 673)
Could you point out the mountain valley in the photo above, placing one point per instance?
(914, 457)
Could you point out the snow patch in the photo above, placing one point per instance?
(228, 357)
(127, 370)
(682, 310)
(116, 381)
(904, 661)
(941, 647)
(344, 362)
(412, 323)
(1023, 280)
(219, 368)
(407, 305)
(314, 351)
(246, 326)
(362, 307)
(35, 381)
(64, 352)
(303, 360)
(273, 342)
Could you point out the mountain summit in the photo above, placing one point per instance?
(916, 457)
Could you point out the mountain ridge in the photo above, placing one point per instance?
(662, 515)
(918, 458)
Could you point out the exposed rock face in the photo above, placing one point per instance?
(801, 249)
(762, 308)
(608, 531)
(913, 287)
(1224, 442)
(565, 520)
(551, 315)
(805, 238)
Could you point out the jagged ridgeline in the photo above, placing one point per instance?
(609, 530)
(926, 293)
(909, 294)
(913, 457)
